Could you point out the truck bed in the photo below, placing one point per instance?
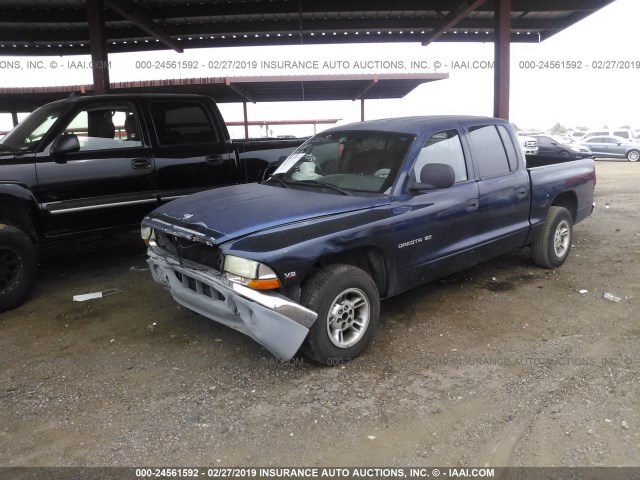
(550, 177)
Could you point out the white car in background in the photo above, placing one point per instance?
(529, 144)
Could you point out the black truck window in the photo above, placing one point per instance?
(104, 127)
(181, 123)
(443, 147)
(491, 158)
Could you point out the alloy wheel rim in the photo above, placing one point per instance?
(348, 318)
(562, 238)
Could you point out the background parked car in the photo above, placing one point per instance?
(576, 134)
(529, 144)
(628, 135)
(556, 146)
(610, 146)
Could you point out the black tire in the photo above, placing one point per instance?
(18, 267)
(551, 248)
(633, 155)
(342, 296)
(565, 154)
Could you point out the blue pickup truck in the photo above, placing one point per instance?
(357, 214)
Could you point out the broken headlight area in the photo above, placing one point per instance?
(253, 274)
(148, 235)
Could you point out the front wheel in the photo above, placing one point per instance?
(347, 302)
(633, 155)
(18, 267)
(551, 247)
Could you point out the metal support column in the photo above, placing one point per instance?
(362, 108)
(98, 41)
(246, 119)
(14, 115)
(502, 59)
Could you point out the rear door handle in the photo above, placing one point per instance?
(141, 163)
(214, 160)
(471, 204)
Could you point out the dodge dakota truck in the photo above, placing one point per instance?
(357, 214)
(92, 164)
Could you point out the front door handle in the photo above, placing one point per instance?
(215, 160)
(522, 192)
(471, 204)
(141, 163)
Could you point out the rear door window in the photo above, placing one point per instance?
(512, 156)
(182, 123)
(491, 157)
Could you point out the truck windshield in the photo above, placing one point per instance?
(27, 135)
(353, 161)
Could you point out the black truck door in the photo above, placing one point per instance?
(190, 153)
(108, 183)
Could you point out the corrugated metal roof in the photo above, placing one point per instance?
(237, 89)
(60, 27)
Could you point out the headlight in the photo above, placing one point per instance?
(148, 235)
(253, 274)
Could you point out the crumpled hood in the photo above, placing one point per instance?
(227, 213)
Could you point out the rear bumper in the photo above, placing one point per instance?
(272, 320)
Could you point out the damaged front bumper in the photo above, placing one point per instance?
(272, 320)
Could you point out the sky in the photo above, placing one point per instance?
(540, 97)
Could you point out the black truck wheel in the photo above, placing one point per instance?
(18, 267)
(347, 302)
(551, 248)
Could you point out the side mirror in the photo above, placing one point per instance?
(64, 144)
(433, 176)
(554, 143)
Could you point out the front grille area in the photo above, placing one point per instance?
(199, 287)
(532, 143)
(196, 252)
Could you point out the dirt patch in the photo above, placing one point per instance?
(503, 364)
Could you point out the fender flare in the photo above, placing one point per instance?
(19, 207)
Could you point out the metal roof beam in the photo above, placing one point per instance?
(365, 89)
(240, 91)
(131, 12)
(66, 15)
(463, 9)
(283, 27)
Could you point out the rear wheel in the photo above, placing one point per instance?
(347, 302)
(551, 248)
(633, 155)
(18, 267)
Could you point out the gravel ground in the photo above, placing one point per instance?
(503, 364)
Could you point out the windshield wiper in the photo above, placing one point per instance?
(325, 184)
(281, 181)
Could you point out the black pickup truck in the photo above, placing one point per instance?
(357, 214)
(93, 164)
